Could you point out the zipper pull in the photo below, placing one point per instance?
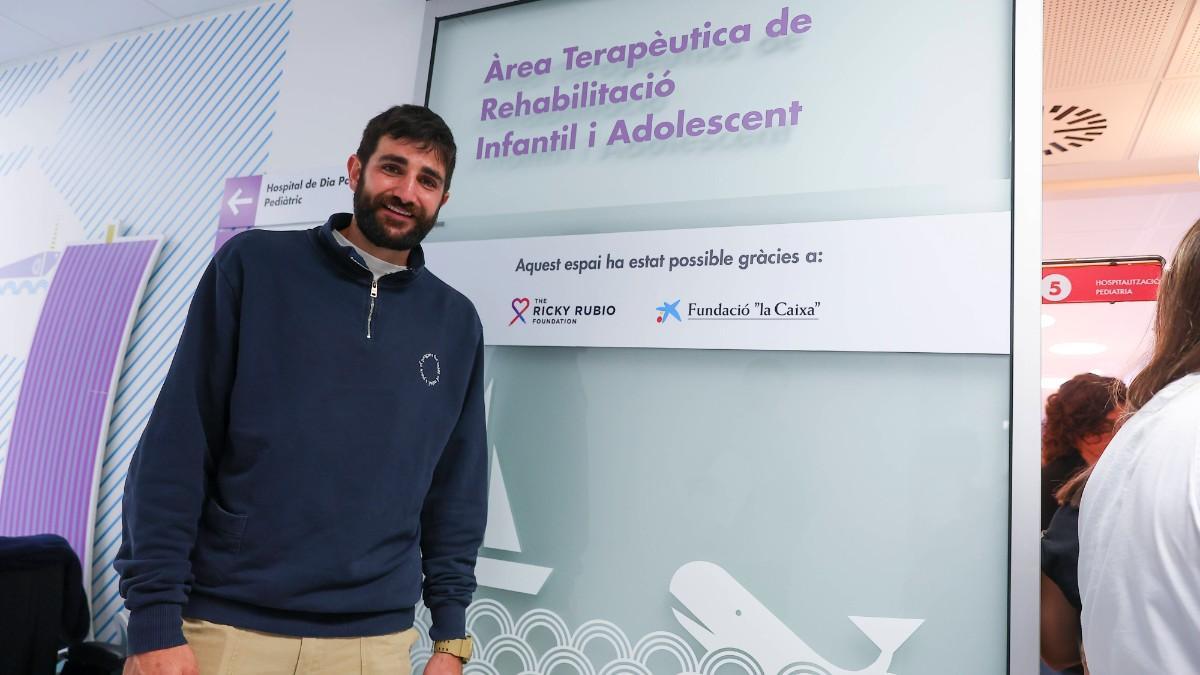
(371, 309)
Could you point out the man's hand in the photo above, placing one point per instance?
(441, 664)
(171, 661)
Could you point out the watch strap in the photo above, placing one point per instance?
(460, 647)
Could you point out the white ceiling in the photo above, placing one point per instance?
(28, 28)
(1134, 66)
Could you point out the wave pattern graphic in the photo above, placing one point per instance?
(510, 642)
(24, 287)
(154, 124)
(804, 669)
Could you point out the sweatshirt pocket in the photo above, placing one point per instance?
(226, 528)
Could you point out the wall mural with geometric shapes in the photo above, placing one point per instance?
(137, 134)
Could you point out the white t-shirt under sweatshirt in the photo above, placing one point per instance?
(378, 267)
(1139, 541)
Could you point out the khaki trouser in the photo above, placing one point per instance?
(225, 650)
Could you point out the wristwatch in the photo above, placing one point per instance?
(460, 647)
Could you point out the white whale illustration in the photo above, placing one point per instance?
(728, 616)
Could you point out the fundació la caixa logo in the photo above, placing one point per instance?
(668, 310)
(519, 307)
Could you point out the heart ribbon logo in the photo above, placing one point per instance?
(519, 306)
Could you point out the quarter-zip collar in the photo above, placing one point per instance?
(349, 260)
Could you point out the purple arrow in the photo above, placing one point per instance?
(239, 203)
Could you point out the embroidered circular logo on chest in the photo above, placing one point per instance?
(430, 369)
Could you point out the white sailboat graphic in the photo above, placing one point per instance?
(501, 533)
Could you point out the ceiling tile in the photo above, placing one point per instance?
(183, 8)
(19, 43)
(1186, 60)
(1172, 128)
(1094, 42)
(73, 22)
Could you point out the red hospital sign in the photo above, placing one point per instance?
(1100, 282)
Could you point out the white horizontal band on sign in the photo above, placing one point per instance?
(935, 284)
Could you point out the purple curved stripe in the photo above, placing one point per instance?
(65, 391)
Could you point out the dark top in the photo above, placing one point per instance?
(1060, 559)
(1054, 475)
(1060, 553)
(317, 448)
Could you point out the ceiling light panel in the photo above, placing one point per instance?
(1078, 348)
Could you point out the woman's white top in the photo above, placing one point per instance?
(1139, 541)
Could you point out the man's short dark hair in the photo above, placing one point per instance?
(415, 123)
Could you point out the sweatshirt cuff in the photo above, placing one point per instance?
(449, 622)
(155, 627)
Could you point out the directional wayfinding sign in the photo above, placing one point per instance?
(1129, 279)
(280, 199)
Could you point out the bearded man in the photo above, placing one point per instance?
(316, 461)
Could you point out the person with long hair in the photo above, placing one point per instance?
(1080, 421)
(1078, 426)
(1139, 523)
(1060, 605)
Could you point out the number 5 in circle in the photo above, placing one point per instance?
(1055, 288)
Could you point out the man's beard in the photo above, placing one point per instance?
(366, 208)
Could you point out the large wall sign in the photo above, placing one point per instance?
(744, 270)
(694, 124)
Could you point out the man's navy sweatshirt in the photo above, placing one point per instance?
(317, 456)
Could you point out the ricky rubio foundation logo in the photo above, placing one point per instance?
(540, 311)
(519, 307)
